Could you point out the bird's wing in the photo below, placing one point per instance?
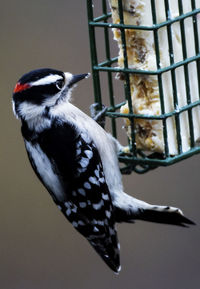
(87, 204)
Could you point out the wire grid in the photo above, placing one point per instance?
(137, 160)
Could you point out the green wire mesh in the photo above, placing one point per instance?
(137, 160)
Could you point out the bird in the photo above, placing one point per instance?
(76, 160)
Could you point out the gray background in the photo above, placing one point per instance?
(38, 247)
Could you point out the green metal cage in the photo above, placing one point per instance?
(137, 160)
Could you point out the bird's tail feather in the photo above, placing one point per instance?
(108, 249)
(132, 209)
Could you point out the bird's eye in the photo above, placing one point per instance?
(59, 84)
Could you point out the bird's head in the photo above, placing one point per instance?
(40, 89)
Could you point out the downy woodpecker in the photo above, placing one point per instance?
(76, 160)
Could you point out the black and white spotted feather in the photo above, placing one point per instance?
(85, 201)
(77, 162)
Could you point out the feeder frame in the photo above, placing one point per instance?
(137, 160)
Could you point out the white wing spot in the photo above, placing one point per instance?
(81, 170)
(59, 207)
(84, 162)
(108, 214)
(68, 212)
(101, 223)
(94, 181)
(89, 154)
(75, 224)
(95, 222)
(82, 192)
(79, 143)
(82, 204)
(74, 210)
(78, 152)
(95, 229)
(112, 231)
(97, 173)
(87, 185)
(99, 205)
(102, 180)
(85, 137)
(105, 197)
(80, 223)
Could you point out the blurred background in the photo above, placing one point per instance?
(38, 247)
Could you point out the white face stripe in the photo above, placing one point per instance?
(52, 78)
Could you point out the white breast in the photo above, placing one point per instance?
(45, 170)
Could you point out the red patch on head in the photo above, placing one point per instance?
(20, 87)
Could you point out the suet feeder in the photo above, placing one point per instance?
(182, 115)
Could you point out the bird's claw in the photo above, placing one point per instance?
(98, 115)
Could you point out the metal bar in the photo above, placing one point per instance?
(157, 162)
(160, 85)
(108, 62)
(151, 117)
(151, 28)
(105, 16)
(137, 161)
(117, 106)
(127, 78)
(108, 58)
(186, 73)
(148, 72)
(93, 51)
(197, 45)
(196, 39)
(173, 75)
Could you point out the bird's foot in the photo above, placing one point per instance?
(98, 115)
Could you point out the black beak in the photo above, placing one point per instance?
(77, 77)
